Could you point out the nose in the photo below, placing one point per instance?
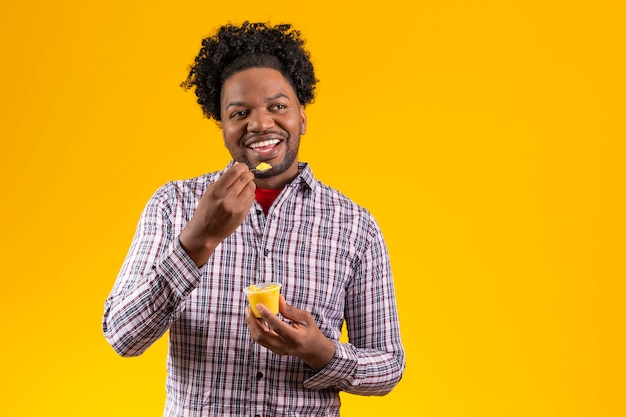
(260, 121)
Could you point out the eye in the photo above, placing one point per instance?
(240, 114)
(278, 107)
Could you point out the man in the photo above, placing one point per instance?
(201, 241)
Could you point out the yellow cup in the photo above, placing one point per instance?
(266, 293)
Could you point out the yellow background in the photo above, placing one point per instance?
(497, 128)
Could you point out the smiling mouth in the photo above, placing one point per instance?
(264, 143)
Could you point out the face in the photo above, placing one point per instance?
(262, 121)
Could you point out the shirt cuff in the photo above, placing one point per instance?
(179, 269)
(340, 373)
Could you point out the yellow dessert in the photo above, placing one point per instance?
(266, 294)
(263, 166)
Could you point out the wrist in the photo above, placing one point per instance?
(199, 250)
(321, 354)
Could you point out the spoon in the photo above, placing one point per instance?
(262, 167)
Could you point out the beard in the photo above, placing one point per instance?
(290, 157)
(291, 144)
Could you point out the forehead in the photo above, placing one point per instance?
(256, 82)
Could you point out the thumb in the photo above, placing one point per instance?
(290, 312)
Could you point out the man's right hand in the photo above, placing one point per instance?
(222, 208)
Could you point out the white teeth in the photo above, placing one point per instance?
(264, 143)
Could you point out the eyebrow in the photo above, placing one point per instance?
(267, 100)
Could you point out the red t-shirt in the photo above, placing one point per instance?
(266, 197)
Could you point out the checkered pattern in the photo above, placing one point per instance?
(331, 259)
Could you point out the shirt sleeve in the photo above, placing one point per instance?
(155, 279)
(373, 360)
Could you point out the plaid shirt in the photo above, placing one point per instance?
(332, 261)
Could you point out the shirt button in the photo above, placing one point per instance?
(266, 252)
(259, 212)
(259, 375)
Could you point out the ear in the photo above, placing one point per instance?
(302, 120)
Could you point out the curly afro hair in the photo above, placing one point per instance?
(251, 45)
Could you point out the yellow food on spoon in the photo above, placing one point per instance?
(263, 166)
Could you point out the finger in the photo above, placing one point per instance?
(254, 324)
(235, 189)
(243, 184)
(272, 322)
(292, 313)
(248, 185)
(233, 174)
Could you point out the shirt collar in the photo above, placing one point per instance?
(306, 177)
